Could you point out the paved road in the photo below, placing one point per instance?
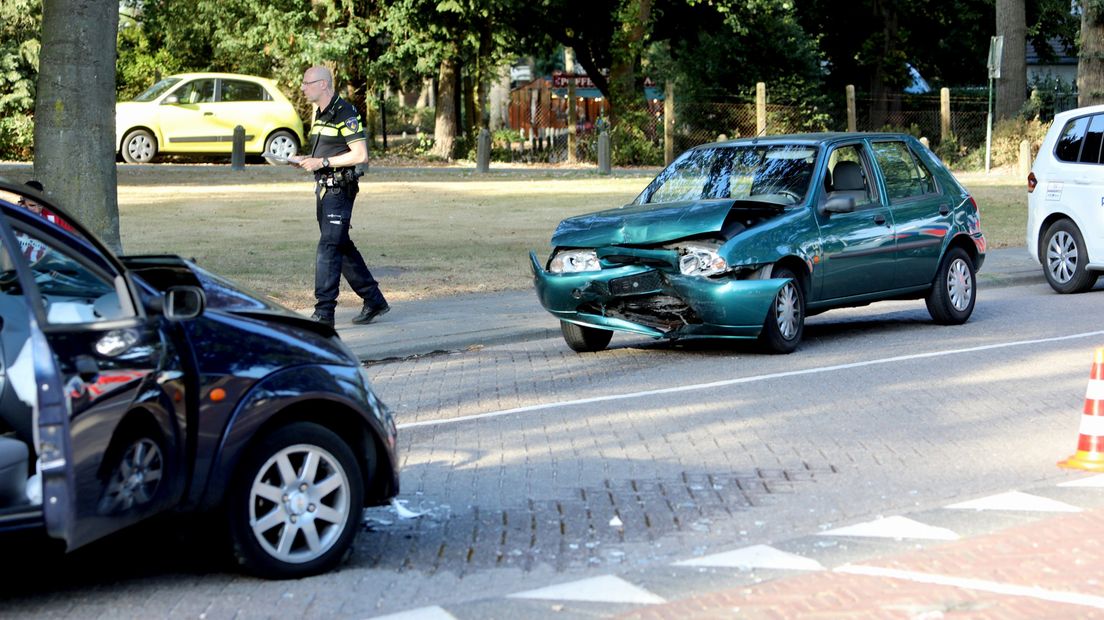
(537, 467)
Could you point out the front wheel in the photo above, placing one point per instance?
(585, 339)
(785, 322)
(295, 503)
(951, 298)
(281, 144)
(1065, 259)
(139, 147)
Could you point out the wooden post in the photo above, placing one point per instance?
(944, 114)
(851, 124)
(669, 122)
(572, 113)
(604, 153)
(760, 108)
(1025, 159)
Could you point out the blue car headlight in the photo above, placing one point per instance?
(574, 261)
(700, 260)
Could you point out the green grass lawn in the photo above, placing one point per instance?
(423, 232)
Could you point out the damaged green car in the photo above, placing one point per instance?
(746, 238)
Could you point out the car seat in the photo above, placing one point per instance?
(848, 180)
(13, 472)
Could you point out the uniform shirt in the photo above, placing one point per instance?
(335, 128)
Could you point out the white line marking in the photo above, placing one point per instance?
(421, 613)
(1057, 596)
(1015, 500)
(1092, 482)
(604, 589)
(893, 527)
(752, 379)
(755, 556)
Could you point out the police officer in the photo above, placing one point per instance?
(337, 145)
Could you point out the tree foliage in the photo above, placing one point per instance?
(20, 22)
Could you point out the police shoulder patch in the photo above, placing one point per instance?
(352, 123)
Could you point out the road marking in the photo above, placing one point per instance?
(421, 613)
(605, 589)
(741, 380)
(1057, 596)
(893, 527)
(1015, 500)
(1092, 482)
(755, 556)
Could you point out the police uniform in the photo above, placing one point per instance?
(334, 129)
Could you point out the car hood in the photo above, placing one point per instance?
(165, 271)
(651, 223)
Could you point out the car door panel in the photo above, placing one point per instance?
(191, 123)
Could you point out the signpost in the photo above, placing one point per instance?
(996, 46)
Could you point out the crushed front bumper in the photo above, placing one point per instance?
(656, 302)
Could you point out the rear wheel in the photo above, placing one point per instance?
(281, 144)
(951, 298)
(296, 502)
(585, 339)
(139, 147)
(1065, 259)
(785, 322)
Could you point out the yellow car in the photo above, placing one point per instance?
(197, 113)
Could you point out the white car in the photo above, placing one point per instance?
(1065, 201)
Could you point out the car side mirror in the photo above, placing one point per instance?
(170, 100)
(181, 303)
(839, 204)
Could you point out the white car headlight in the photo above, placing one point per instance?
(701, 260)
(574, 261)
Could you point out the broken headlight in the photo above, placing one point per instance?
(574, 261)
(699, 259)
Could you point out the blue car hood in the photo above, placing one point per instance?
(642, 224)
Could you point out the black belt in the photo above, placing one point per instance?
(336, 177)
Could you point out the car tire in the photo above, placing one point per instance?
(137, 475)
(295, 503)
(785, 323)
(282, 144)
(954, 291)
(1064, 259)
(585, 339)
(139, 147)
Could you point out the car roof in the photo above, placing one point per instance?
(812, 139)
(1061, 117)
(231, 76)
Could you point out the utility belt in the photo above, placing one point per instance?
(336, 177)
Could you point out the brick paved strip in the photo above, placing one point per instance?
(1053, 568)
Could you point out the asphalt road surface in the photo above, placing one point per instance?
(530, 465)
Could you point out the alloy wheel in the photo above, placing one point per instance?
(135, 479)
(299, 503)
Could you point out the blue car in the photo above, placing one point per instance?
(131, 387)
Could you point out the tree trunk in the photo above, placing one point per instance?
(471, 112)
(879, 99)
(444, 129)
(626, 88)
(1090, 62)
(74, 130)
(1012, 85)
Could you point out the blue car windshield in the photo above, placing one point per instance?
(153, 92)
(776, 173)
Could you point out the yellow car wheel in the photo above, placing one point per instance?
(139, 147)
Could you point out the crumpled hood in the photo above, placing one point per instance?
(642, 224)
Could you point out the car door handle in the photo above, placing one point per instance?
(944, 209)
(879, 219)
(208, 113)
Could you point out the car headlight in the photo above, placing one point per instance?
(574, 261)
(701, 260)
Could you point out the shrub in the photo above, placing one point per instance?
(17, 137)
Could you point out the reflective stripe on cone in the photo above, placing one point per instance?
(1090, 441)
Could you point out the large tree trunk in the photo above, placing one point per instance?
(1090, 62)
(1012, 85)
(444, 129)
(74, 130)
(625, 86)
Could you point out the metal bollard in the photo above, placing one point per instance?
(604, 153)
(237, 156)
(483, 151)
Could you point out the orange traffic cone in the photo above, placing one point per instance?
(1090, 443)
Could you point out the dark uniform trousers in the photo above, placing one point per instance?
(337, 255)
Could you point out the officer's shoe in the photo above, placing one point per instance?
(369, 313)
(321, 318)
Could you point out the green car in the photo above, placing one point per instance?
(744, 239)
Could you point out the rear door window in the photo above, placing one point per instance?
(1094, 139)
(237, 90)
(905, 175)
